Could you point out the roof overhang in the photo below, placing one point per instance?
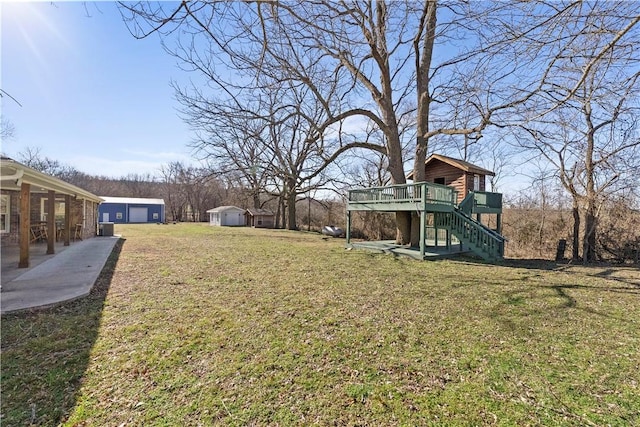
(456, 163)
(13, 174)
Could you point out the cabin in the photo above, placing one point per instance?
(226, 216)
(463, 176)
(36, 207)
(449, 205)
(131, 210)
(260, 218)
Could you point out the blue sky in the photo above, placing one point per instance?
(92, 95)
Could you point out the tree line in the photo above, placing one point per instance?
(288, 94)
(287, 99)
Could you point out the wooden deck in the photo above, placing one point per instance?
(423, 196)
(439, 212)
(432, 252)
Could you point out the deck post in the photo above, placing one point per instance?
(448, 238)
(348, 227)
(423, 230)
(423, 219)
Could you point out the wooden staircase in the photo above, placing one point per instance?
(480, 239)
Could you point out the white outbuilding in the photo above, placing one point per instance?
(226, 216)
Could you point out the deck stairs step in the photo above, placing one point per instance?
(480, 239)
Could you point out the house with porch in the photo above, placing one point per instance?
(39, 207)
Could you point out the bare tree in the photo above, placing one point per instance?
(584, 122)
(32, 157)
(7, 129)
(457, 67)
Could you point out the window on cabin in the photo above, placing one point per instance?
(476, 182)
(439, 181)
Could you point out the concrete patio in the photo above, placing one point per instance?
(68, 274)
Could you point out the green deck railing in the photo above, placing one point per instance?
(485, 199)
(481, 201)
(482, 240)
(422, 192)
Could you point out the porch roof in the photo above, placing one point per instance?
(13, 174)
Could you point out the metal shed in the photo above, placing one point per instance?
(226, 216)
(126, 210)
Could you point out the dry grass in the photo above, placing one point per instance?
(205, 326)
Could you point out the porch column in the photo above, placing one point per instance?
(67, 219)
(25, 224)
(348, 227)
(51, 222)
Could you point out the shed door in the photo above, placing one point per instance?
(138, 214)
(105, 216)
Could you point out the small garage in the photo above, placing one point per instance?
(231, 216)
(131, 210)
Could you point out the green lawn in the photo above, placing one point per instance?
(195, 325)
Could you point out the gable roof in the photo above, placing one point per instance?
(225, 208)
(13, 174)
(460, 164)
(456, 163)
(264, 212)
(133, 200)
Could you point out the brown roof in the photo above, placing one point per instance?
(263, 212)
(456, 163)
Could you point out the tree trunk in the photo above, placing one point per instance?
(575, 253)
(590, 219)
(589, 239)
(403, 227)
(291, 207)
(396, 169)
(423, 51)
(415, 230)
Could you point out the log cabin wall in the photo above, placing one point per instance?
(453, 177)
(460, 180)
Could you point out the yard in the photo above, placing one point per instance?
(196, 325)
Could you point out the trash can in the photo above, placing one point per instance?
(105, 229)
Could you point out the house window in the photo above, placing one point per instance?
(58, 211)
(5, 201)
(118, 215)
(439, 181)
(476, 182)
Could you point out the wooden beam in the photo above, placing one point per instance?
(67, 219)
(25, 224)
(51, 222)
